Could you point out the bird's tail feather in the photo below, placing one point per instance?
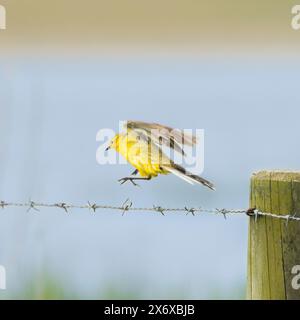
(188, 176)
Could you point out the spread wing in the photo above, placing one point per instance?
(162, 135)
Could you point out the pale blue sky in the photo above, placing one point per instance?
(51, 111)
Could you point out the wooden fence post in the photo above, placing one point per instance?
(274, 245)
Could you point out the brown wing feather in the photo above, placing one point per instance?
(162, 135)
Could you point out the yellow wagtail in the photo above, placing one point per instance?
(141, 145)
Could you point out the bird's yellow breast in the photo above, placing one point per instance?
(146, 157)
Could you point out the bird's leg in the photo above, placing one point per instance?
(135, 172)
(132, 179)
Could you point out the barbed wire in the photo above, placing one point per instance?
(128, 206)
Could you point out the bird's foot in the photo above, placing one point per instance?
(123, 180)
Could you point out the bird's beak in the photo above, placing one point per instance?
(107, 148)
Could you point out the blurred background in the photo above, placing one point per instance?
(69, 69)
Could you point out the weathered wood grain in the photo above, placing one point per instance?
(273, 246)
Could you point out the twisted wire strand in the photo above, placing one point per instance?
(128, 206)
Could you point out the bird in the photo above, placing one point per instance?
(141, 144)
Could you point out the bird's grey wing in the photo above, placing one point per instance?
(159, 139)
(162, 135)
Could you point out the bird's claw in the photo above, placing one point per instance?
(123, 180)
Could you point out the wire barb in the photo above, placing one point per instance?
(159, 209)
(63, 206)
(223, 212)
(92, 206)
(190, 210)
(32, 205)
(3, 204)
(126, 206)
